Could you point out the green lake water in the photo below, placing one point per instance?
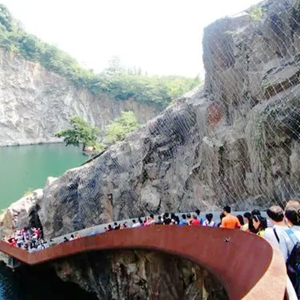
(27, 167)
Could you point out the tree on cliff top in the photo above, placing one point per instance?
(117, 81)
(81, 133)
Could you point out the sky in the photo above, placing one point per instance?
(163, 37)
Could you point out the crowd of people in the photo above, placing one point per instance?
(166, 219)
(246, 222)
(281, 227)
(29, 239)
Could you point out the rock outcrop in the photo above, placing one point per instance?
(21, 213)
(123, 275)
(234, 141)
(36, 103)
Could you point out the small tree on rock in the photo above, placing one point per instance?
(81, 133)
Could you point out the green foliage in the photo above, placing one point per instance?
(125, 84)
(118, 82)
(256, 13)
(98, 147)
(161, 90)
(120, 127)
(5, 18)
(84, 133)
(81, 133)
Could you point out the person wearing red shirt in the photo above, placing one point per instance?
(195, 221)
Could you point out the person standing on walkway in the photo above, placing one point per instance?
(183, 221)
(288, 240)
(229, 221)
(276, 216)
(197, 211)
(209, 221)
(135, 224)
(189, 219)
(195, 221)
(260, 225)
(248, 222)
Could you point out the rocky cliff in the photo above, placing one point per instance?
(36, 103)
(123, 275)
(234, 141)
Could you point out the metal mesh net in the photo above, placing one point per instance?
(234, 141)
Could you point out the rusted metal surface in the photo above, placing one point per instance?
(248, 266)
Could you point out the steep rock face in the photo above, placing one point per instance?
(35, 103)
(143, 275)
(21, 213)
(253, 78)
(234, 141)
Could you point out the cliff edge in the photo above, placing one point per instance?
(36, 103)
(235, 141)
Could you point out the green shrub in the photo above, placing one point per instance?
(120, 127)
(256, 13)
(89, 136)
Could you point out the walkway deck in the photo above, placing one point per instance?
(248, 266)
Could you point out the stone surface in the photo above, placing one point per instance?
(122, 275)
(235, 141)
(20, 214)
(35, 103)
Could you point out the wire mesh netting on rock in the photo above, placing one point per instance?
(234, 141)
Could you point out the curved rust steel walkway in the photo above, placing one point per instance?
(247, 266)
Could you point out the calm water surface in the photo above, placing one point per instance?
(38, 283)
(27, 167)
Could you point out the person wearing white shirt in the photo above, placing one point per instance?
(276, 216)
(209, 221)
(292, 217)
(289, 237)
(135, 224)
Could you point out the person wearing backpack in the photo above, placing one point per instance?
(276, 216)
(289, 244)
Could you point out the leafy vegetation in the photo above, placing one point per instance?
(118, 82)
(81, 133)
(256, 13)
(89, 136)
(120, 127)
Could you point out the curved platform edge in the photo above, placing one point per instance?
(248, 266)
(274, 280)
